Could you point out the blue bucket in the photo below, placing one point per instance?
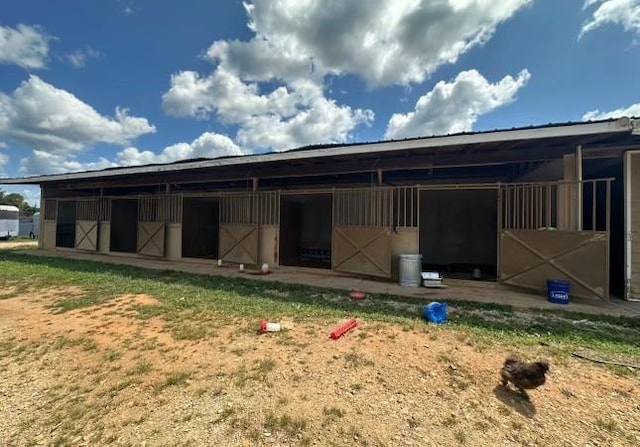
(435, 312)
(558, 291)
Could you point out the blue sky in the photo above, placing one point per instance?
(89, 85)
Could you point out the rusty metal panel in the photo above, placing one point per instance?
(239, 243)
(531, 257)
(86, 235)
(362, 250)
(151, 238)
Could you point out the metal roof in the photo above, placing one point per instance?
(557, 130)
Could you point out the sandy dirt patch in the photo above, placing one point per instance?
(104, 375)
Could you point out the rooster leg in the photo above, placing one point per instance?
(525, 396)
(505, 379)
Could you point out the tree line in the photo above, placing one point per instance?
(15, 199)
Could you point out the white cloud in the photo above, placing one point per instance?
(4, 161)
(25, 46)
(383, 41)
(225, 94)
(625, 13)
(207, 145)
(322, 122)
(47, 118)
(41, 162)
(3, 145)
(272, 86)
(452, 107)
(594, 115)
(287, 117)
(79, 58)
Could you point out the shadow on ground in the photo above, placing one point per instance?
(514, 400)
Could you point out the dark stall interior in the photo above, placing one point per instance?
(200, 227)
(458, 232)
(124, 225)
(66, 224)
(305, 230)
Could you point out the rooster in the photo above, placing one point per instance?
(524, 376)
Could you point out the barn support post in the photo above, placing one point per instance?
(579, 187)
(567, 195)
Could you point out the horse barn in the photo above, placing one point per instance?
(525, 205)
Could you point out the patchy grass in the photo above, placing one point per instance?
(211, 296)
(286, 424)
(175, 378)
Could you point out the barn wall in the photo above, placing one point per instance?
(104, 236)
(404, 241)
(268, 245)
(173, 244)
(48, 237)
(634, 283)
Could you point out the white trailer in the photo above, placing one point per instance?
(9, 221)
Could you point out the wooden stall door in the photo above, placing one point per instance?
(151, 237)
(361, 237)
(243, 216)
(532, 249)
(87, 217)
(239, 243)
(151, 226)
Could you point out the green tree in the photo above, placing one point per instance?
(18, 200)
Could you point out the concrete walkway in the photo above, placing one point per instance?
(486, 292)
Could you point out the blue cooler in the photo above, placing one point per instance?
(558, 291)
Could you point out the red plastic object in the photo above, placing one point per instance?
(263, 326)
(343, 329)
(357, 295)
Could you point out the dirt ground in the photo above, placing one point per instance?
(104, 376)
(21, 243)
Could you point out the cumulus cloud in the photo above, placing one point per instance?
(322, 122)
(272, 86)
(453, 107)
(383, 41)
(4, 161)
(625, 13)
(25, 46)
(286, 117)
(207, 145)
(53, 120)
(79, 58)
(632, 111)
(228, 96)
(42, 162)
